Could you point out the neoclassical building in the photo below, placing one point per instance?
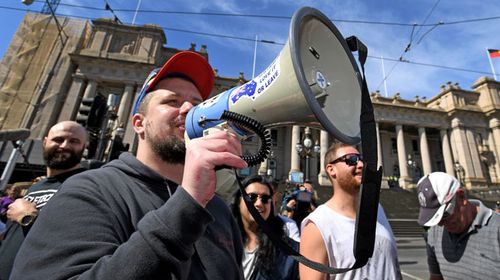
(46, 73)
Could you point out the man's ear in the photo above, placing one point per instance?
(139, 124)
(44, 142)
(331, 170)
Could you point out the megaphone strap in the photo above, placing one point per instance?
(366, 217)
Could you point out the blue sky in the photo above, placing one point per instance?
(447, 46)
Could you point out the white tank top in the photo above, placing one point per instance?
(338, 234)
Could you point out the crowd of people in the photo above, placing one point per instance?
(163, 214)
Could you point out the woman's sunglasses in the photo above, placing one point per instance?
(265, 198)
(349, 159)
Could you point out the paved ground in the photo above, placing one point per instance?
(412, 258)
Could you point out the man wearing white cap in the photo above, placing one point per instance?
(463, 241)
(149, 216)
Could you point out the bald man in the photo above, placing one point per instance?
(62, 151)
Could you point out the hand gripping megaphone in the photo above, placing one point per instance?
(313, 82)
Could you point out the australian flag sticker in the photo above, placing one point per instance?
(247, 89)
(258, 86)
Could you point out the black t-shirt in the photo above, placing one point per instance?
(39, 193)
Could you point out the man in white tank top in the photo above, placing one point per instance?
(328, 232)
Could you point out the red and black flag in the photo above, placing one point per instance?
(494, 53)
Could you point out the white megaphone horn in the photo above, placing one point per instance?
(314, 82)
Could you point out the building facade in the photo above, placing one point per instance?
(47, 72)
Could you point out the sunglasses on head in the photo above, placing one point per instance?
(349, 159)
(265, 198)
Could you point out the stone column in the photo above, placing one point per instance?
(404, 179)
(73, 99)
(493, 172)
(125, 104)
(474, 156)
(379, 148)
(494, 125)
(424, 151)
(447, 156)
(91, 89)
(462, 149)
(262, 168)
(324, 144)
(294, 156)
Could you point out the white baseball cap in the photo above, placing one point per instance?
(435, 195)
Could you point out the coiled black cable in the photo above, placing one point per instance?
(247, 123)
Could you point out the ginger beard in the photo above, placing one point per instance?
(349, 177)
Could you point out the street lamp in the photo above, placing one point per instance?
(412, 165)
(307, 149)
(460, 171)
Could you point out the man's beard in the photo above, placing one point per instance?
(350, 184)
(54, 160)
(171, 149)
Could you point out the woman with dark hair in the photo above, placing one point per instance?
(261, 258)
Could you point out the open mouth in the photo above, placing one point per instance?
(62, 154)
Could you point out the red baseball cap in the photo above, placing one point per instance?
(186, 63)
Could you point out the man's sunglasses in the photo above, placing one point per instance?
(349, 159)
(265, 198)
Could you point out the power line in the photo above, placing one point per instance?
(277, 43)
(409, 46)
(427, 17)
(177, 30)
(425, 20)
(277, 16)
(432, 65)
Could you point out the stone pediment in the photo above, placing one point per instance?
(410, 115)
(111, 40)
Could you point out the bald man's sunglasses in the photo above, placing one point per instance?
(349, 159)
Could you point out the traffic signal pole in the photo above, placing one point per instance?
(19, 135)
(11, 164)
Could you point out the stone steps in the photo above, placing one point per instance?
(406, 228)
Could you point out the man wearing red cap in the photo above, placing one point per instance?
(153, 216)
(463, 241)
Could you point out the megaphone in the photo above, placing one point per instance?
(313, 82)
